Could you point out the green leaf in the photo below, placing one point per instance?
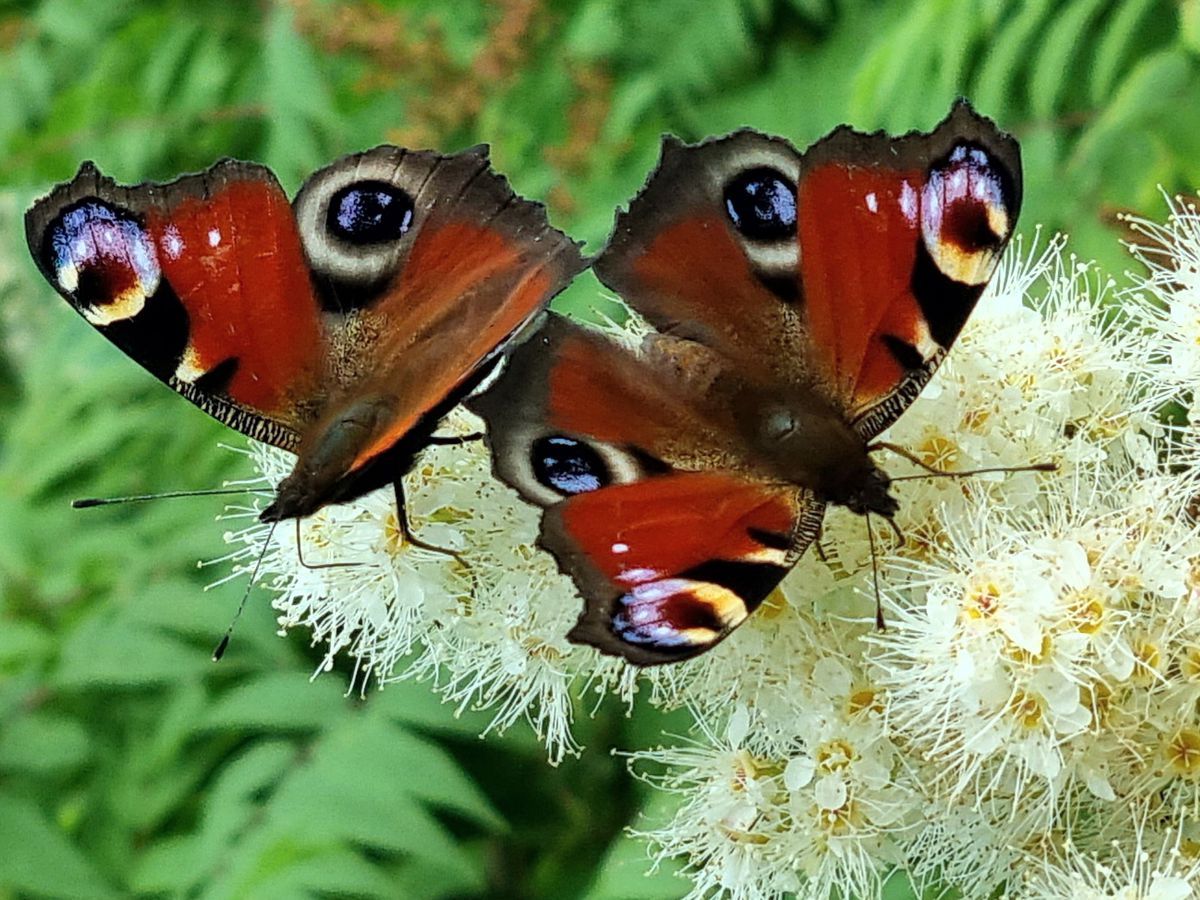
(1051, 74)
(1149, 90)
(42, 742)
(118, 654)
(39, 859)
(1006, 57)
(628, 871)
(1116, 42)
(278, 702)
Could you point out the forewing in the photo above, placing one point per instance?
(438, 279)
(203, 281)
(898, 238)
(847, 271)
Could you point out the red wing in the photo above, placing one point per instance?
(847, 270)
(464, 292)
(436, 265)
(898, 238)
(203, 281)
(674, 257)
(668, 561)
(669, 566)
(628, 412)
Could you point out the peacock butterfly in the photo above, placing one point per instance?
(340, 326)
(800, 302)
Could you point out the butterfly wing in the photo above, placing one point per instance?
(472, 264)
(434, 265)
(202, 281)
(341, 326)
(847, 270)
(650, 506)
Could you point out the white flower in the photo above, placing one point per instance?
(1147, 862)
(1039, 678)
(491, 634)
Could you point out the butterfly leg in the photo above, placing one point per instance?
(904, 453)
(456, 440)
(406, 527)
(308, 565)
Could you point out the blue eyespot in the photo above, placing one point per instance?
(369, 212)
(568, 466)
(761, 204)
(103, 258)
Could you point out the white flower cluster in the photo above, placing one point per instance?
(1028, 722)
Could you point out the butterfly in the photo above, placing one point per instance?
(799, 303)
(341, 326)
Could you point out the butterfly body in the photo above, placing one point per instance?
(799, 302)
(341, 325)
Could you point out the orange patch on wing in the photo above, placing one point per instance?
(880, 371)
(592, 389)
(700, 261)
(650, 530)
(236, 263)
(449, 335)
(858, 232)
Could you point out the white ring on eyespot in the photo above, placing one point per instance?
(773, 259)
(622, 467)
(338, 259)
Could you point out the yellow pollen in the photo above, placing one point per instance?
(1023, 656)
(1086, 612)
(832, 756)
(539, 649)
(938, 451)
(1097, 698)
(982, 599)
(773, 606)
(1183, 752)
(1148, 659)
(1193, 575)
(1190, 848)
(1189, 663)
(976, 420)
(840, 821)
(745, 768)
(1026, 709)
(741, 836)
(392, 534)
(864, 700)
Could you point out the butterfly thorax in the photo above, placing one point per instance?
(327, 454)
(805, 442)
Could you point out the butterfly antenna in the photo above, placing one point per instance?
(934, 472)
(223, 645)
(879, 624)
(88, 502)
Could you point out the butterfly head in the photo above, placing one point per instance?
(872, 495)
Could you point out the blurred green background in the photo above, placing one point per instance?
(129, 763)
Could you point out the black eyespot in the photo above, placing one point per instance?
(762, 204)
(568, 466)
(369, 212)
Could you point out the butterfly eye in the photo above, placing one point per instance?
(369, 212)
(568, 466)
(779, 424)
(761, 204)
(965, 217)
